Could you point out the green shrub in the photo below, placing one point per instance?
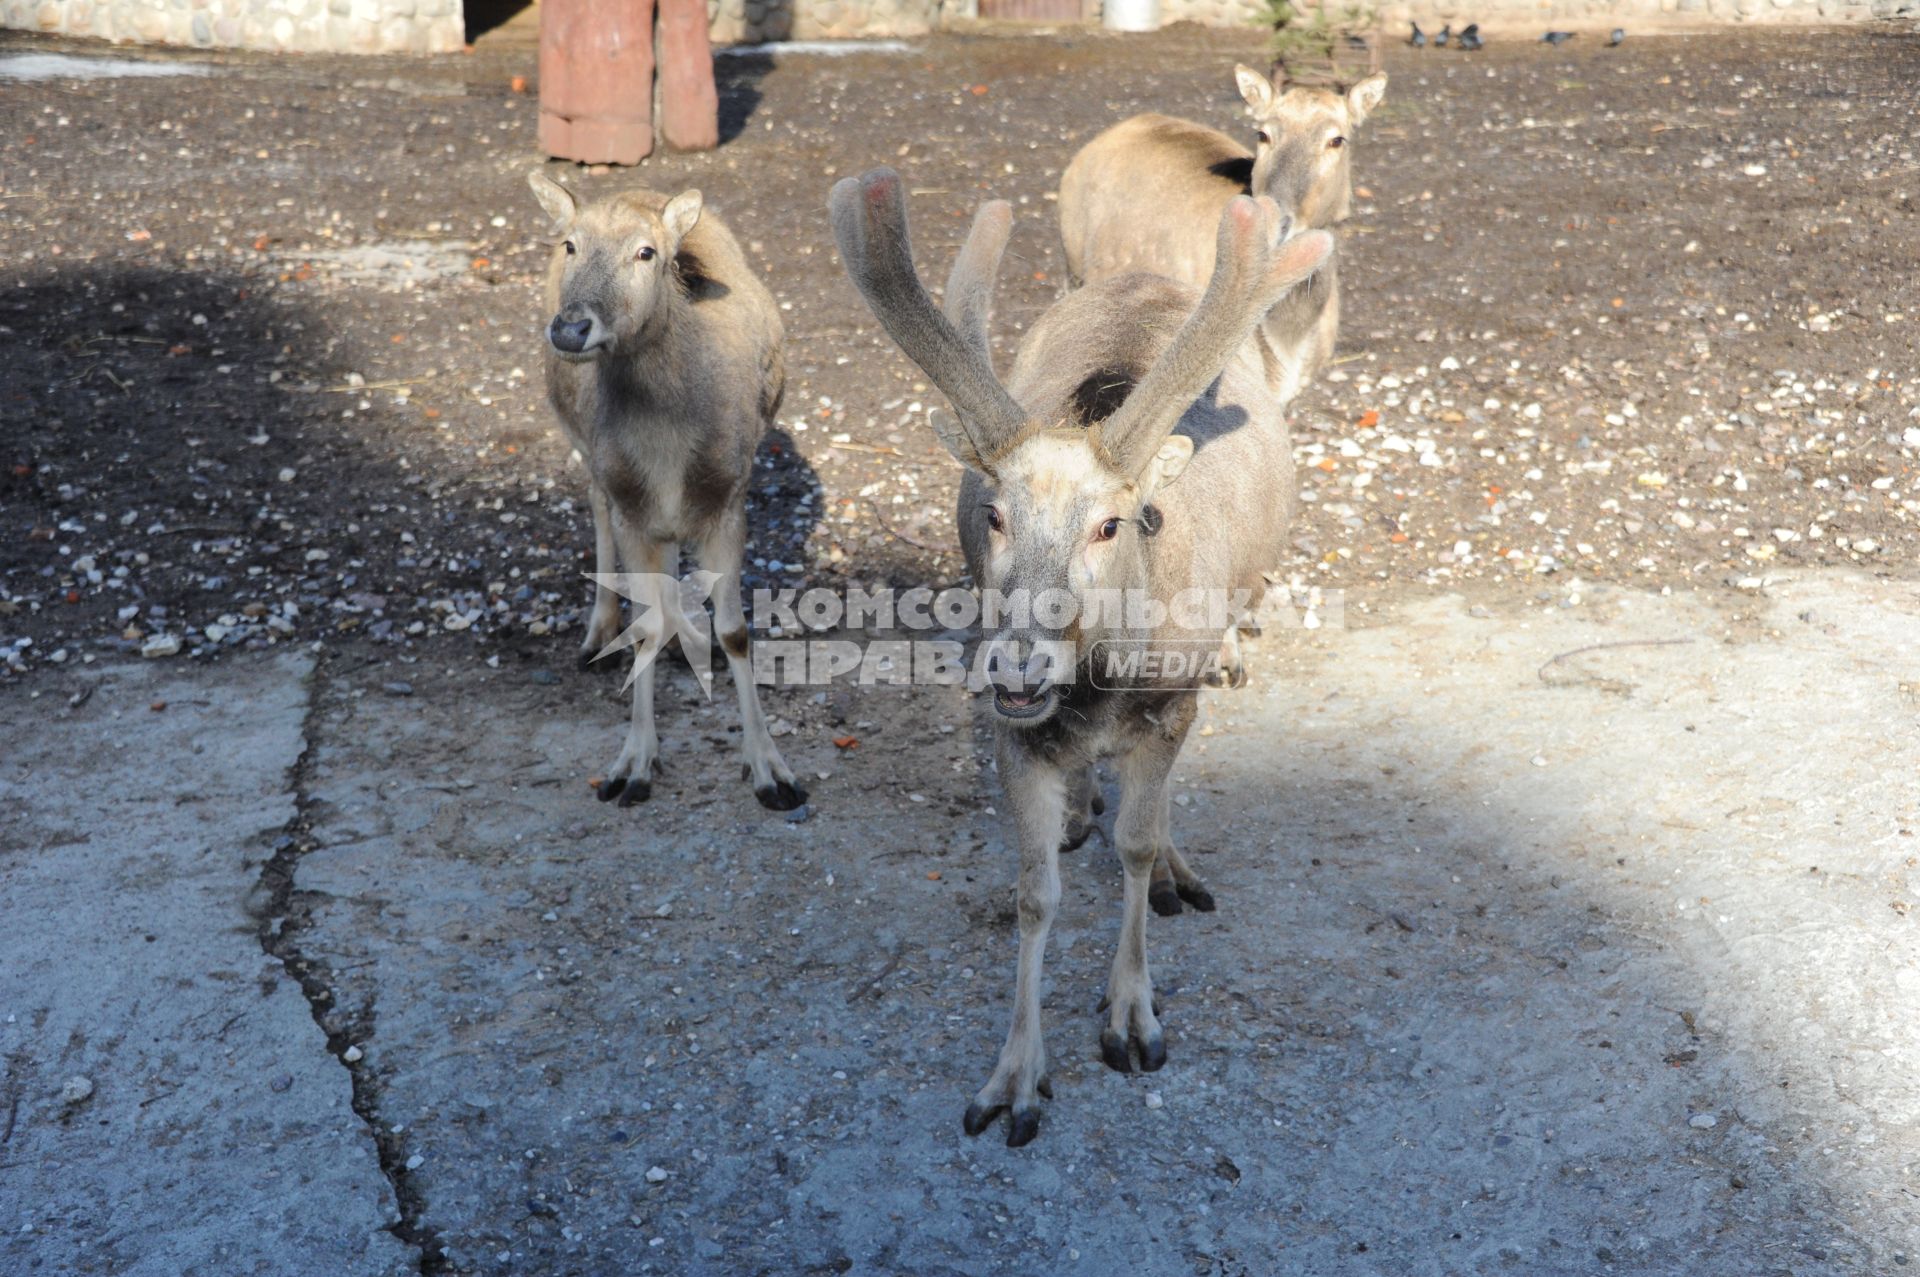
(1303, 35)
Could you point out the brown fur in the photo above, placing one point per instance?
(1145, 195)
(669, 380)
(1135, 390)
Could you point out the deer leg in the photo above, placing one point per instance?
(773, 780)
(1037, 798)
(1174, 881)
(1232, 672)
(1083, 806)
(1141, 832)
(603, 623)
(630, 779)
(1186, 883)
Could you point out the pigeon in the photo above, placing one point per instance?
(1556, 38)
(1469, 38)
(1419, 38)
(1619, 34)
(1446, 34)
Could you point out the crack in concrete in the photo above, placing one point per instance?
(281, 920)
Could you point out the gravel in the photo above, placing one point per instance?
(278, 388)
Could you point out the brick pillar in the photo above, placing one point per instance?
(596, 80)
(689, 103)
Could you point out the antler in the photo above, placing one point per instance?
(969, 299)
(870, 224)
(1250, 274)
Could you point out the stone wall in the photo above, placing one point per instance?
(438, 26)
(1537, 15)
(1508, 15)
(310, 26)
(1214, 13)
(758, 21)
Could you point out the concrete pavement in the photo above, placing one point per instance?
(1556, 938)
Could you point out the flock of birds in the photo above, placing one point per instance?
(1468, 37)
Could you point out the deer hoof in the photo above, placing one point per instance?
(636, 791)
(610, 789)
(1116, 1052)
(1164, 898)
(1098, 804)
(1076, 837)
(1196, 895)
(980, 1116)
(590, 660)
(1022, 1127)
(782, 795)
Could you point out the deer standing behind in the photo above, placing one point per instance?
(1146, 194)
(664, 364)
(1136, 448)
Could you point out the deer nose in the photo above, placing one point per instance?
(570, 335)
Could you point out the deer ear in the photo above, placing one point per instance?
(1257, 89)
(1168, 464)
(680, 214)
(1363, 97)
(952, 436)
(561, 204)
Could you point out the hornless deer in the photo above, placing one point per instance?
(1135, 448)
(1145, 195)
(664, 365)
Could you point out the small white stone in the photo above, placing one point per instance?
(353, 1055)
(161, 645)
(1703, 1121)
(415, 1162)
(1154, 1100)
(78, 1090)
(656, 1174)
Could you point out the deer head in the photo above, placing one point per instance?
(617, 265)
(1301, 156)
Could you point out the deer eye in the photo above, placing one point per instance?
(571, 250)
(993, 518)
(1266, 138)
(645, 254)
(1108, 530)
(1335, 143)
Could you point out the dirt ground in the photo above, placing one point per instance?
(1597, 973)
(1646, 314)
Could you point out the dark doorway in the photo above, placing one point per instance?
(485, 15)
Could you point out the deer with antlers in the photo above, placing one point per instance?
(1135, 452)
(1145, 195)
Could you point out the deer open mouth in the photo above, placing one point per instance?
(1029, 704)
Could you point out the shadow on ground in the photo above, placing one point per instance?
(1448, 1018)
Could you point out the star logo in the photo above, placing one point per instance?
(664, 607)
